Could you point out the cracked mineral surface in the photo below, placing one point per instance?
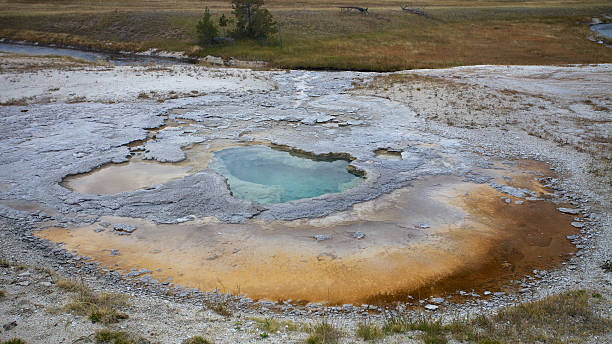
(440, 208)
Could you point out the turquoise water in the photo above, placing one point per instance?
(265, 175)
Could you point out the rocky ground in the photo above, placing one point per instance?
(69, 117)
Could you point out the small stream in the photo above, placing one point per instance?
(603, 29)
(115, 59)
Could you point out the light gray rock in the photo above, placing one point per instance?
(572, 211)
(357, 235)
(322, 237)
(124, 227)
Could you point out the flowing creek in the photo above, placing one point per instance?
(115, 59)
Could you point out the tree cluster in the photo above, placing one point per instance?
(251, 20)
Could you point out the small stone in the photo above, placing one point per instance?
(499, 293)
(357, 235)
(45, 284)
(321, 237)
(507, 200)
(577, 224)
(124, 227)
(185, 219)
(431, 307)
(99, 229)
(24, 274)
(572, 211)
(9, 326)
(519, 202)
(437, 300)
(105, 224)
(423, 225)
(524, 290)
(24, 283)
(114, 253)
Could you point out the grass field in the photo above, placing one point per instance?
(315, 34)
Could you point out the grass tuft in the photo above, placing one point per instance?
(4, 263)
(2, 293)
(116, 337)
(197, 340)
(71, 285)
(269, 325)
(14, 341)
(98, 307)
(368, 331)
(220, 307)
(323, 333)
(433, 332)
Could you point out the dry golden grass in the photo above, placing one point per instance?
(324, 333)
(570, 317)
(272, 325)
(369, 331)
(107, 336)
(221, 307)
(71, 285)
(98, 307)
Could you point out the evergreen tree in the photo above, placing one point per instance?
(252, 20)
(207, 31)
